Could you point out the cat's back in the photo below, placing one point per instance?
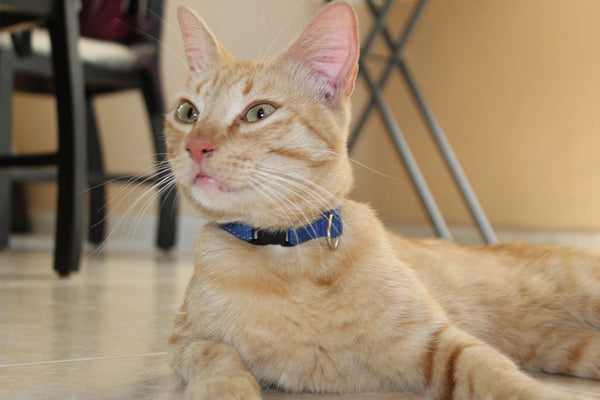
(500, 292)
(436, 259)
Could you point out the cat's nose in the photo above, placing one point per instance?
(198, 150)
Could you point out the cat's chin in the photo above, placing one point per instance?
(208, 194)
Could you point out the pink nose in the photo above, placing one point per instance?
(199, 149)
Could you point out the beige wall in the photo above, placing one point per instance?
(515, 85)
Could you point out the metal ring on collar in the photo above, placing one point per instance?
(332, 242)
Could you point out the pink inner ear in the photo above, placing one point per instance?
(201, 47)
(329, 48)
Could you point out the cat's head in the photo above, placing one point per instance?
(265, 142)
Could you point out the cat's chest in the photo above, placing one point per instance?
(304, 314)
(257, 304)
(258, 295)
(277, 324)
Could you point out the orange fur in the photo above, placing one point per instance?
(380, 313)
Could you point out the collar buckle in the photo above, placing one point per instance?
(264, 238)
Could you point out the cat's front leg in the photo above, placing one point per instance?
(212, 370)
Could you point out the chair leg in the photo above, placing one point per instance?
(68, 74)
(6, 91)
(167, 214)
(435, 128)
(19, 219)
(97, 192)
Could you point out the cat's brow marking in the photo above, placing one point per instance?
(234, 126)
(249, 86)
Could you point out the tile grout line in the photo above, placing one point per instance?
(81, 359)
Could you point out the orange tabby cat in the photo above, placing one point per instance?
(297, 287)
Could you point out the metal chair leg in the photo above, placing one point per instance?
(452, 162)
(409, 161)
(396, 49)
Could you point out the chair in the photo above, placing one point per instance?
(107, 67)
(380, 13)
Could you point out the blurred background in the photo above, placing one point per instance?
(515, 85)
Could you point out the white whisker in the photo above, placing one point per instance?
(276, 194)
(316, 191)
(269, 193)
(162, 180)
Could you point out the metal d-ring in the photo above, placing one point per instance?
(332, 242)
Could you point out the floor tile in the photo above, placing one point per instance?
(101, 333)
(115, 306)
(119, 378)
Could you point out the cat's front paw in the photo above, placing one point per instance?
(223, 389)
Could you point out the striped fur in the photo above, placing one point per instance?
(382, 312)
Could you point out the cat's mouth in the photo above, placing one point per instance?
(206, 181)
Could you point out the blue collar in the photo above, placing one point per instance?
(329, 225)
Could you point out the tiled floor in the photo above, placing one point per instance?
(101, 333)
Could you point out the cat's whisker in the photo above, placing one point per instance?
(148, 172)
(144, 202)
(363, 165)
(150, 200)
(140, 178)
(268, 193)
(153, 191)
(298, 177)
(262, 183)
(309, 187)
(120, 221)
(129, 185)
(274, 193)
(298, 192)
(284, 188)
(299, 189)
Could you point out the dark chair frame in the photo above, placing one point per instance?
(79, 156)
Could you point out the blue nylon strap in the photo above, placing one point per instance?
(294, 236)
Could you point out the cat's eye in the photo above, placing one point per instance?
(187, 113)
(259, 112)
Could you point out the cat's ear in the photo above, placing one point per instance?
(201, 47)
(328, 49)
